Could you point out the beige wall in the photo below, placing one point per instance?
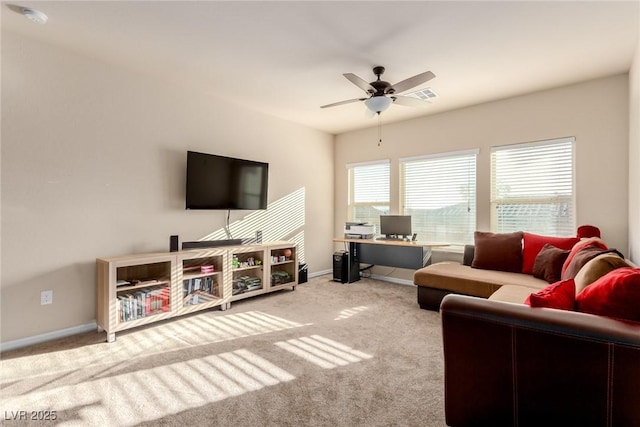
(595, 112)
(93, 160)
(634, 157)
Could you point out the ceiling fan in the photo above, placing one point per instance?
(382, 94)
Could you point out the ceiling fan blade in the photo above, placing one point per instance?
(411, 82)
(362, 84)
(409, 101)
(348, 101)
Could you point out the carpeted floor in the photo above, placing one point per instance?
(327, 354)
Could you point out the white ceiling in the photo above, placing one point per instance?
(287, 58)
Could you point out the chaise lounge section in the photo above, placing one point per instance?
(436, 281)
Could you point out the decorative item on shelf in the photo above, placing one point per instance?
(251, 261)
(282, 258)
(258, 261)
(287, 253)
(205, 269)
(234, 262)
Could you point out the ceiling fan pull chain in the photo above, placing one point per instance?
(379, 129)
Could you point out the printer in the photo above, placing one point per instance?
(359, 230)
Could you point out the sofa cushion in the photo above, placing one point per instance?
(616, 294)
(533, 244)
(594, 242)
(548, 265)
(498, 251)
(513, 293)
(598, 267)
(560, 295)
(462, 279)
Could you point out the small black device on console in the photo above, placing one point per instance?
(395, 227)
(211, 243)
(173, 244)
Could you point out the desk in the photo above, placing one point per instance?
(390, 253)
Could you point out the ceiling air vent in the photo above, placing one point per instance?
(426, 94)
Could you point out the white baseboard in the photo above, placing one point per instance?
(392, 279)
(320, 273)
(49, 336)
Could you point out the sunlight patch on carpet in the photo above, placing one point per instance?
(174, 335)
(323, 352)
(350, 312)
(149, 394)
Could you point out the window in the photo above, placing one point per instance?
(368, 191)
(439, 192)
(532, 188)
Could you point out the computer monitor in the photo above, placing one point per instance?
(395, 225)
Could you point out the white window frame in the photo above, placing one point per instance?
(374, 203)
(568, 201)
(455, 233)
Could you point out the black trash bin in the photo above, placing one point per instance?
(302, 273)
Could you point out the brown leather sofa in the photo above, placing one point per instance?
(512, 365)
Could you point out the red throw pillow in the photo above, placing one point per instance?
(586, 231)
(593, 242)
(616, 294)
(560, 295)
(533, 243)
(498, 251)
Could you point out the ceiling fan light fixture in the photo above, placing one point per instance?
(378, 104)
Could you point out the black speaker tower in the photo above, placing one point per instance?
(343, 270)
(173, 244)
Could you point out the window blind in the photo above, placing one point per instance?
(439, 192)
(532, 188)
(368, 192)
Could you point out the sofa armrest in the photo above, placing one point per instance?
(467, 257)
(510, 364)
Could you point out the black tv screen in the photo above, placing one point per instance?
(218, 182)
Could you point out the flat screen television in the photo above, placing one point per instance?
(218, 182)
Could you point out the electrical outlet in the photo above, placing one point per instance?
(46, 297)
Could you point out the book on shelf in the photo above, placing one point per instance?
(279, 277)
(199, 290)
(245, 284)
(141, 303)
